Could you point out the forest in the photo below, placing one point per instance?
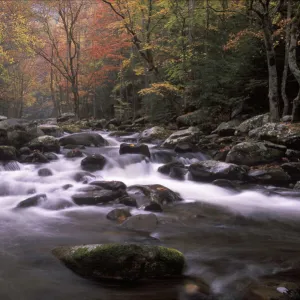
(163, 58)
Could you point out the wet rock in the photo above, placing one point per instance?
(84, 138)
(57, 205)
(274, 176)
(3, 137)
(279, 133)
(211, 170)
(190, 135)
(227, 184)
(72, 147)
(93, 163)
(162, 156)
(45, 143)
(45, 172)
(24, 151)
(52, 130)
(35, 157)
(118, 214)
(154, 134)
(252, 123)
(2, 118)
(32, 201)
(51, 156)
(67, 186)
(154, 207)
(127, 200)
(110, 185)
(74, 153)
(144, 222)
(10, 165)
(293, 169)
(185, 148)
(156, 193)
(254, 153)
(83, 177)
(175, 170)
(227, 128)
(8, 153)
(134, 149)
(66, 117)
(122, 262)
(96, 197)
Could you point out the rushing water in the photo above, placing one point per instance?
(228, 239)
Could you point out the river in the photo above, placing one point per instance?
(228, 239)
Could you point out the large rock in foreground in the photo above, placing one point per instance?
(211, 170)
(95, 162)
(254, 153)
(122, 262)
(84, 138)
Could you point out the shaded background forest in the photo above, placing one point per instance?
(128, 58)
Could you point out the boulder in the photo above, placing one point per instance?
(32, 201)
(190, 135)
(24, 150)
(146, 223)
(44, 143)
(254, 153)
(206, 117)
(280, 133)
(95, 162)
(109, 185)
(35, 157)
(297, 185)
(96, 197)
(51, 156)
(252, 123)
(287, 118)
(83, 177)
(3, 137)
(175, 170)
(154, 134)
(293, 169)
(44, 172)
(70, 128)
(134, 149)
(52, 130)
(8, 153)
(118, 214)
(211, 170)
(155, 193)
(227, 128)
(185, 148)
(2, 118)
(127, 200)
(122, 262)
(84, 138)
(227, 184)
(293, 155)
(19, 138)
(141, 121)
(74, 153)
(274, 176)
(154, 207)
(98, 124)
(66, 117)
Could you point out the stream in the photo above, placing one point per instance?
(228, 239)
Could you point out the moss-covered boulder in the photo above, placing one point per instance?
(252, 123)
(52, 130)
(45, 143)
(122, 262)
(71, 128)
(8, 153)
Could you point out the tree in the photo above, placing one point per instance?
(265, 13)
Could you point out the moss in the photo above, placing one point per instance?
(127, 262)
(71, 128)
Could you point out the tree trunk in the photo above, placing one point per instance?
(273, 76)
(76, 99)
(286, 104)
(295, 70)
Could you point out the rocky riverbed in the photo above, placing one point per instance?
(228, 201)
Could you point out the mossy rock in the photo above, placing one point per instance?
(71, 128)
(122, 262)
